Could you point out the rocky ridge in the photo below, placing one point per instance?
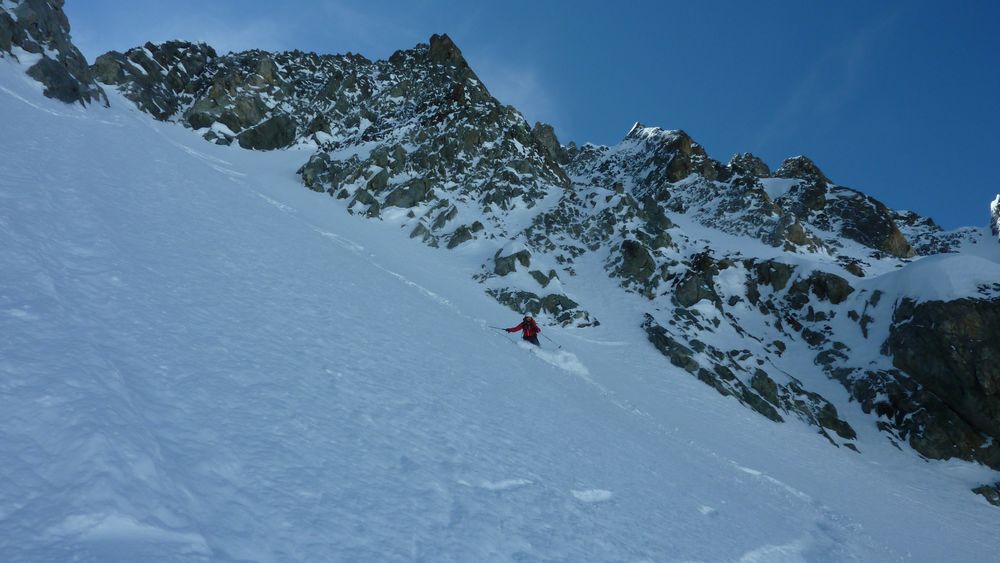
(761, 284)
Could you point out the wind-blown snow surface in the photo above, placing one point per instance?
(202, 360)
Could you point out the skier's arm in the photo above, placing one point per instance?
(516, 328)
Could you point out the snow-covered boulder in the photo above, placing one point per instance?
(506, 259)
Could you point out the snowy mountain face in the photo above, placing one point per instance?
(659, 270)
(757, 283)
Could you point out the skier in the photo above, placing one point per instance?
(530, 328)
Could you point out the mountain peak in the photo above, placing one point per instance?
(637, 126)
(640, 131)
(749, 164)
(444, 51)
(800, 168)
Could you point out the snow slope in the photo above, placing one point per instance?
(201, 360)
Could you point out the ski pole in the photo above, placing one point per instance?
(558, 346)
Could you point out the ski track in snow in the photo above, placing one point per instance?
(561, 359)
(191, 371)
(593, 495)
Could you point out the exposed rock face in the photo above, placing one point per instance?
(990, 492)
(637, 263)
(698, 282)
(545, 136)
(754, 388)
(654, 159)
(670, 166)
(868, 221)
(507, 264)
(40, 27)
(443, 51)
(953, 349)
(159, 78)
(746, 164)
(276, 132)
(825, 286)
(564, 310)
(853, 214)
(801, 168)
(911, 413)
(995, 216)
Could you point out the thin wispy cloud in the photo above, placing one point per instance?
(224, 38)
(223, 34)
(828, 85)
(524, 88)
(370, 32)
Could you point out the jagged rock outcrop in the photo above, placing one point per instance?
(990, 492)
(159, 78)
(273, 133)
(823, 285)
(911, 413)
(995, 216)
(852, 214)
(40, 28)
(637, 263)
(652, 160)
(563, 310)
(741, 198)
(262, 101)
(746, 164)
(545, 136)
(952, 349)
(802, 168)
(755, 388)
(504, 265)
(866, 220)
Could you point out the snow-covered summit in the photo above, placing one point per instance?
(640, 131)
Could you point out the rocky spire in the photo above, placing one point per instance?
(444, 51)
(747, 164)
(801, 168)
(545, 136)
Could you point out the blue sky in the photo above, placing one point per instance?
(898, 99)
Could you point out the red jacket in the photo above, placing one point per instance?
(530, 328)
